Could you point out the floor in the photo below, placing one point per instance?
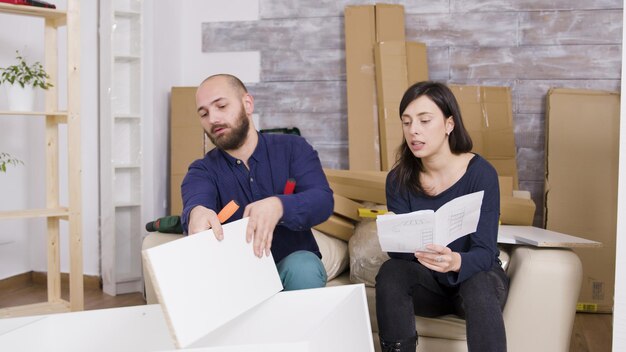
(591, 333)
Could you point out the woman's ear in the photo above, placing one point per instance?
(449, 125)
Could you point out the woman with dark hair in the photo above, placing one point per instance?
(436, 165)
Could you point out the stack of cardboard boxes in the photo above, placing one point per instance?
(380, 66)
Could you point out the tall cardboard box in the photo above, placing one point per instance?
(398, 65)
(582, 143)
(365, 25)
(187, 141)
(360, 32)
(488, 117)
(391, 82)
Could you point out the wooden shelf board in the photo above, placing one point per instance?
(60, 306)
(34, 213)
(31, 11)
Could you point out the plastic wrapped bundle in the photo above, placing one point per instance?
(366, 257)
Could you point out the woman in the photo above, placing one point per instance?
(466, 278)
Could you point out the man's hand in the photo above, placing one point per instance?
(201, 219)
(441, 259)
(264, 215)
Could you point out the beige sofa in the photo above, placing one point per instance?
(539, 313)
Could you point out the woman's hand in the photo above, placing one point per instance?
(439, 258)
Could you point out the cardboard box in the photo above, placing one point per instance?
(516, 211)
(582, 143)
(398, 65)
(416, 62)
(365, 25)
(360, 37)
(187, 141)
(391, 83)
(346, 207)
(516, 207)
(358, 185)
(337, 227)
(488, 117)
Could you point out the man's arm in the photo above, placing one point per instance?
(199, 201)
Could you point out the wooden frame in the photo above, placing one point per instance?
(54, 212)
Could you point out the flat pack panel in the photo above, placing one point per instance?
(137, 328)
(544, 238)
(336, 319)
(203, 283)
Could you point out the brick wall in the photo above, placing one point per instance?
(529, 46)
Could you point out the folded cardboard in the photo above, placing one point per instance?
(391, 83)
(337, 227)
(360, 37)
(582, 143)
(365, 25)
(488, 117)
(516, 211)
(516, 207)
(358, 185)
(187, 141)
(346, 207)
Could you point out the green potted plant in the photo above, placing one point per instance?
(21, 79)
(7, 159)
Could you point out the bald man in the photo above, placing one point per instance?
(252, 169)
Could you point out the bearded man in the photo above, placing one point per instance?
(252, 169)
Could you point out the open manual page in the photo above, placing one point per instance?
(411, 232)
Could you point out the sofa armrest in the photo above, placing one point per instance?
(152, 240)
(541, 306)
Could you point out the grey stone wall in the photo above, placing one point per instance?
(530, 46)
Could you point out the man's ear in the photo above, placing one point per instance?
(248, 103)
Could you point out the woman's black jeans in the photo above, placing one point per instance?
(405, 289)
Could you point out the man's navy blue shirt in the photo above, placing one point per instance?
(218, 178)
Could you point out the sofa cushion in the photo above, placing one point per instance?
(334, 253)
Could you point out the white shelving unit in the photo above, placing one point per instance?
(53, 118)
(121, 189)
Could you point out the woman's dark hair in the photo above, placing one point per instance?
(408, 167)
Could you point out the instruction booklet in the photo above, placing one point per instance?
(411, 232)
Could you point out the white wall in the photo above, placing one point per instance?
(178, 60)
(22, 245)
(22, 242)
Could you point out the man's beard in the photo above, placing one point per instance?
(237, 135)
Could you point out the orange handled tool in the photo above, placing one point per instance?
(227, 211)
